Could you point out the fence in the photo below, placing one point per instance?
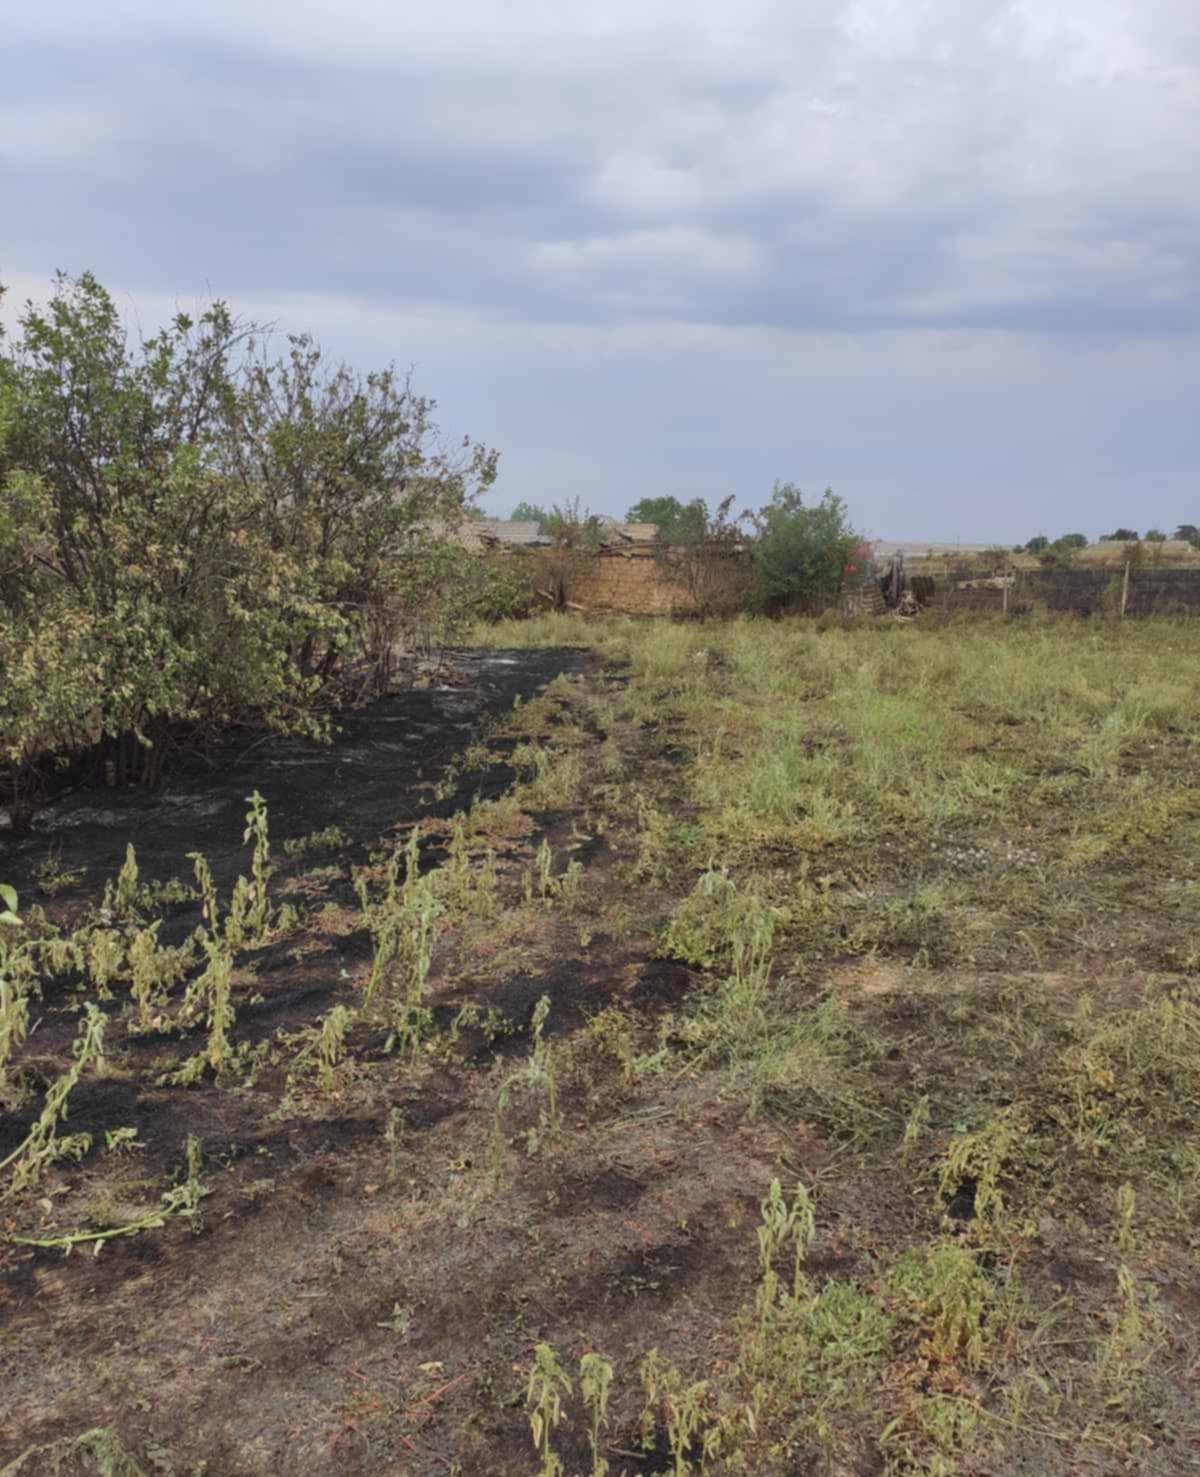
(1130, 592)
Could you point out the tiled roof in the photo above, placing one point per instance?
(506, 531)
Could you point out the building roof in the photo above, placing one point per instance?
(506, 531)
(629, 533)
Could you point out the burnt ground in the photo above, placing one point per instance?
(380, 770)
(377, 1257)
(348, 1303)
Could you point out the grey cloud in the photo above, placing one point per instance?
(863, 170)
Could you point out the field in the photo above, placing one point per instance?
(762, 1047)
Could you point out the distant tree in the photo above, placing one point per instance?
(802, 552)
(1061, 554)
(1123, 536)
(572, 526)
(1155, 536)
(708, 560)
(530, 513)
(675, 521)
(1037, 545)
(1189, 533)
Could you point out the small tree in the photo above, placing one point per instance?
(1123, 536)
(1188, 533)
(1155, 536)
(530, 513)
(1062, 553)
(801, 553)
(1037, 545)
(676, 522)
(709, 560)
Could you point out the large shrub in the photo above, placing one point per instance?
(192, 532)
(801, 553)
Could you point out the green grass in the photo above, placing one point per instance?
(1000, 824)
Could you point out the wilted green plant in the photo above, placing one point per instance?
(258, 913)
(783, 1224)
(238, 928)
(184, 1200)
(331, 1046)
(684, 1409)
(717, 924)
(42, 1146)
(539, 1074)
(59, 954)
(220, 1008)
(402, 925)
(165, 893)
(456, 874)
(545, 869)
(595, 1381)
(208, 890)
(411, 1017)
(210, 991)
(982, 1156)
(916, 1123)
(542, 882)
(393, 1134)
(153, 970)
(14, 995)
(326, 1048)
(382, 918)
(53, 877)
(466, 888)
(14, 1026)
(943, 1291)
(121, 901)
(1126, 1205)
(653, 851)
(548, 1384)
(1130, 1347)
(8, 906)
(331, 838)
(105, 959)
(101, 1446)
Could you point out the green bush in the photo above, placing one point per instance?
(192, 532)
(801, 554)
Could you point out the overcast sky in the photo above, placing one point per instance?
(941, 255)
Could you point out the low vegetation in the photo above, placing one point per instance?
(792, 1068)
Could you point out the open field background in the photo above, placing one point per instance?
(787, 1064)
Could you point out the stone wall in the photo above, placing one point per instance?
(625, 582)
(631, 581)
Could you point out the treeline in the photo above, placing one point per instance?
(195, 532)
(1063, 549)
